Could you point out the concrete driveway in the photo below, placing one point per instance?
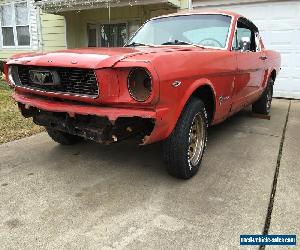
(91, 196)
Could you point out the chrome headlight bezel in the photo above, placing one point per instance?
(146, 86)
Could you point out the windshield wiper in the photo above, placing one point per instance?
(178, 42)
(134, 44)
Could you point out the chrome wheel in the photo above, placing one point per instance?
(196, 140)
(184, 148)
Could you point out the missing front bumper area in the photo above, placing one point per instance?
(92, 127)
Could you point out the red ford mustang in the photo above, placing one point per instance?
(175, 77)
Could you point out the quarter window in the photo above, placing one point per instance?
(15, 24)
(257, 41)
(245, 31)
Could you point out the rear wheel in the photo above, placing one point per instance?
(263, 104)
(63, 137)
(184, 148)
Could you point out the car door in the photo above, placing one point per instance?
(250, 63)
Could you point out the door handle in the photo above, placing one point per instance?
(263, 58)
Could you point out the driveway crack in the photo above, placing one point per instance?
(274, 185)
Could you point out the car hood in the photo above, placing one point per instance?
(91, 57)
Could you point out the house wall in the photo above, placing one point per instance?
(53, 32)
(279, 26)
(77, 21)
(217, 3)
(183, 4)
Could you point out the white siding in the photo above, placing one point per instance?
(279, 24)
(53, 32)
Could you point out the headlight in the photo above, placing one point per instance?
(139, 84)
(13, 75)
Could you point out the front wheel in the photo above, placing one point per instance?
(63, 137)
(184, 148)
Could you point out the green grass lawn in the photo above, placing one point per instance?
(12, 125)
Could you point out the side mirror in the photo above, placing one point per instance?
(245, 44)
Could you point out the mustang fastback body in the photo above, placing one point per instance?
(177, 75)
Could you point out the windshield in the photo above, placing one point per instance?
(209, 30)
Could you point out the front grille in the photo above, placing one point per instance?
(73, 81)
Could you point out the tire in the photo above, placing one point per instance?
(182, 156)
(62, 137)
(263, 104)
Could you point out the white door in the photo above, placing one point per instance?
(279, 25)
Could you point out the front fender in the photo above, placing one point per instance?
(167, 117)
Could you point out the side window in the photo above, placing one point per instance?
(245, 33)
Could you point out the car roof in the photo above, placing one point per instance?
(197, 12)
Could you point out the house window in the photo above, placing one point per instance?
(15, 25)
(110, 35)
(113, 35)
(92, 35)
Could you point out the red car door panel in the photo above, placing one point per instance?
(250, 66)
(249, 78)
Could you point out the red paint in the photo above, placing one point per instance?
(241, 77)
(110, 112)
